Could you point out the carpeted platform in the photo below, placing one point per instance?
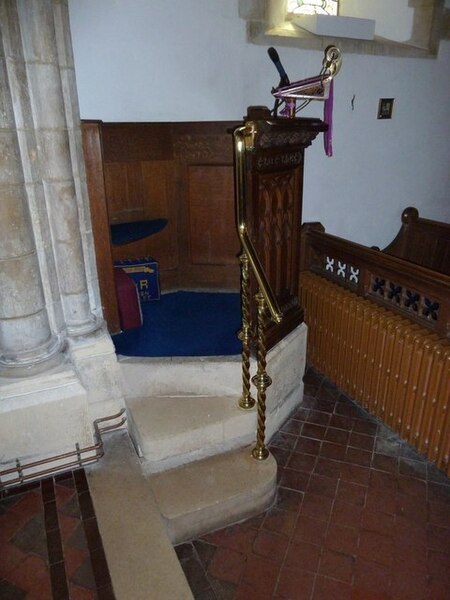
(185, 324)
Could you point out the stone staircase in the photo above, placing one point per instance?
(193, 440)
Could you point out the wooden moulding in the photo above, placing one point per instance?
(413, 291)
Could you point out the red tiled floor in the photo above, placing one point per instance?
(42, 554)
(359, 516)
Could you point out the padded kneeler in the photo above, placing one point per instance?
(128, 300)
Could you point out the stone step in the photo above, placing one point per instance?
(202, 376)
(171, 430)
(140, 555)
(214, 492)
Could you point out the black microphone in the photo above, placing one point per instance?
(273, 54)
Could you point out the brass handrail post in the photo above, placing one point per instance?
(246, 401)
(261, 380)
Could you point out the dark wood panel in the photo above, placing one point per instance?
(92, 148)
(128, 142)
(156, 170)
(212, 228)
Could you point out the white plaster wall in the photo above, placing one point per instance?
(187, 60)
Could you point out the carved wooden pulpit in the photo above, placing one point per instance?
(273, 181)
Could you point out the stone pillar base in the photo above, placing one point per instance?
(286, 363)
(43, 416)
(95, 361)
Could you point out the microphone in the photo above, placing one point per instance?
(273, 54)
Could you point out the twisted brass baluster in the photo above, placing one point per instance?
(246, 401)
(261, 381)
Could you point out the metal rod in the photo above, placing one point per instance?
(261, 381)
(240, 135)
(246, 401)
(97, 448)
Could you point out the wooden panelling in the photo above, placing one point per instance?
(92, 148)
(212, 228)
(182, 172)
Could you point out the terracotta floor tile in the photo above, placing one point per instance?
(318, 417)
(371, 576)
(438, 492)
(412, 507)
(409, 585)
(310, 530)
(382, 462)
(328, 467)
(294, 480)
(378, 522)
(73, 559)
(361, 440)
(365, 426)
(316, 506)
(361, 592)
(295, 585)
(11, 557)
(303, 555)
(79, 593)
(279, 521)
(33, 576)
(342, 539)
(439, 514)
(10, 524)
(357, 456)
(284, 440)
(247, 591)
(301, 462)
(351, 493)
(301, 413)
(29, 505)
(63, 495)
(438, 538)
(333, 451)
(355, 474)
(346, 515)
(336, 565)
(327, 589)
(439, 566)
(379, 501)
(9, 591)
(308, 446)
(381, 482)
(376, 547)
(323, 486)
(289, 499)
(411, 487)
(293, 427)
(261, 576)
(67, 526)
(342, 422)
(314, 431)
(281, 455)
(337, 436)
(227, 565)
(407, 532)
(236, 538)
(271, 546)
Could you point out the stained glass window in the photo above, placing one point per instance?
(313, 7)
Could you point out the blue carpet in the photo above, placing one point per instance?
(185, 324)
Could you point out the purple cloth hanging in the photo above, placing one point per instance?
(328, 119)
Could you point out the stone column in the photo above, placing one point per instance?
(27, 345)
(41, 44)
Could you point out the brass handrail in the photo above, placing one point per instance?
(239, 141)
(80, 461)
(265, 298)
